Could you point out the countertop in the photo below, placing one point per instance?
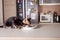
(44, 30)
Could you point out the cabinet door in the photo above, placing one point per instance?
(40, 1)
(9, 8)
(51, 1)
(1, 13)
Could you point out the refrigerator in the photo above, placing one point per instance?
(28, 9)
(32, 10)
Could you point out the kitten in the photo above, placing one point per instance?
(10, 22)
(18, 22)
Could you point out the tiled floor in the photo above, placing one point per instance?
(45, 30)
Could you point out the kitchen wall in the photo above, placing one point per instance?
(9, 8)
(46, 8)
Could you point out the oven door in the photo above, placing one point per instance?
(44, 18)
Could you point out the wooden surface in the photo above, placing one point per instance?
(19, 38)
(41, 31)
(9, 8)
(1, 13)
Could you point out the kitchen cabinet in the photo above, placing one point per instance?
(1, 13)
(9, 9)
(49, 2)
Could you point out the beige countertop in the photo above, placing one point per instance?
(44, 30)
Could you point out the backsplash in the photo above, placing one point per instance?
(52, 8)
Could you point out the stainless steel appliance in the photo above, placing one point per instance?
(20, 8)
(32, 10)
(28, 9)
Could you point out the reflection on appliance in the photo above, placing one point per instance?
(19, 1)
(21, 15)
(20, 5)
(33, 15)
(20, 8)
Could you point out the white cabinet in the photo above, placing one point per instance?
(49, 2)
(1, 13)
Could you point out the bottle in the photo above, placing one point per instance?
(55, 17)
(51, 16)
